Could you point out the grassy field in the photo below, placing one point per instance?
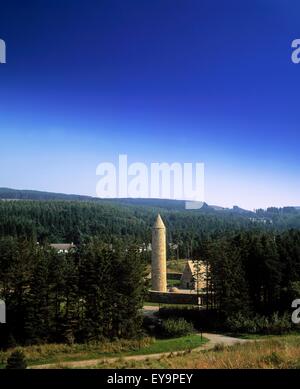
(173, 265)
(262, 352)
(57, 353)
(176, 266)
(173, 283)
(273, 352)
(176, 344)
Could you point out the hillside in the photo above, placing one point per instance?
(59, 217)
(22, 194)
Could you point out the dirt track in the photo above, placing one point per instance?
(213, 340)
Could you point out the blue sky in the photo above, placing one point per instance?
(160, 81)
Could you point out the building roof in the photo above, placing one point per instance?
(193, 266)
(62, 246)
(194, 275)
(159, 223)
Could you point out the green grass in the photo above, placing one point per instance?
(176, 266)
(260, 336)
(55, 353)
(276, 352)
(252, 336)
(173, 266)
(168, 345)
(173, 283)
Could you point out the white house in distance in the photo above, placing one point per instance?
(63, 248)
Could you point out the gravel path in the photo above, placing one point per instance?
(219, 339)
(213, 340)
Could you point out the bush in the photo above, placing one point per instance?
(219, 347)
(16, 360)
(274, 324)
(273, 359)
(174, 328)
(202, 319)
(49, 351)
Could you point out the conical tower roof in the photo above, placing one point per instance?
(159, 223)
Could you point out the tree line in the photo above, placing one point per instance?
(253, 272)
(92, 293)
(98, 290)
(76, 221)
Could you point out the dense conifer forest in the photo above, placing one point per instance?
(126, 220)
(88, 294)
(97, 291)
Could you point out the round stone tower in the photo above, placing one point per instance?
(158, 262)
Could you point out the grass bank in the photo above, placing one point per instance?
(57, 353)
(279, 352)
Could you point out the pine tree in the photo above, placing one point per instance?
(38, 318)
(228, 278)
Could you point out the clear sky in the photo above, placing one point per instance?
(158, 80)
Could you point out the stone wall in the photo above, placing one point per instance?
(172, 298)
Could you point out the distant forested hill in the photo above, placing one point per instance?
(16, 194)
(64, 218)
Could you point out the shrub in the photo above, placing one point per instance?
(274, 324)
(274, 359)
(219, 347)
(45, 353)
(16, 360)
(173, 328)
(201, 319)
